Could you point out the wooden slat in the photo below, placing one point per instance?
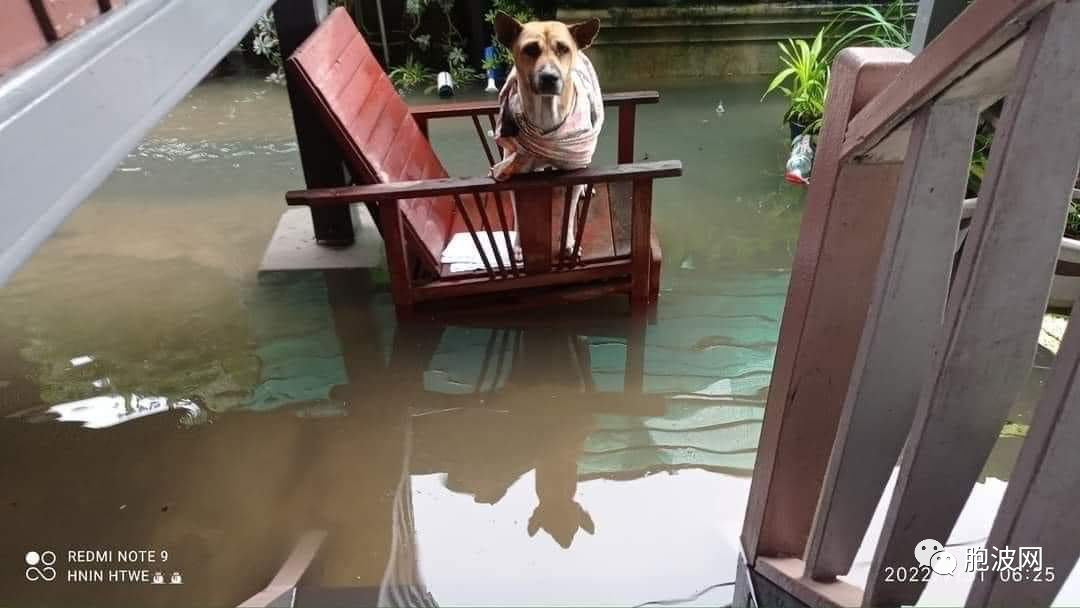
(831, 280)
(1041, 507)
(468, 185)
(470, 108)
(640, 252)
(486, 223)
(996, 304)
(61, 18)
(506, 231)
(976, 34)
(626, 133)
(21, 36)
(564, 230)
(483, 140)
(902, 325)
(593, 272)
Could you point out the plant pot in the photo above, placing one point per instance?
(797, 128)
(1066, 286)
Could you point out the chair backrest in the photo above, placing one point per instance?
(379, 138)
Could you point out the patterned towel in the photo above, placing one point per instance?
(568, 146)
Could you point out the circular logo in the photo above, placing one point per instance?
(44, 572)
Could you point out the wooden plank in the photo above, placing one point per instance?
(902, 326)
(789, 574)
(832, 275)
(481, 285)
(996, 303)
(1041, 507)
(973, 36)
(468, 185)
(61, 18)
(470, 108)
(21, 36)
(640, 251)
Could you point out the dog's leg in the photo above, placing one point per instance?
(571, 225)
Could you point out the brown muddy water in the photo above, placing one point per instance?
(157, 393)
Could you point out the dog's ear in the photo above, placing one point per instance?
(506, 29)
(585, 32)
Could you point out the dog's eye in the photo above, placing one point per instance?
(562, 49)
(532, 49)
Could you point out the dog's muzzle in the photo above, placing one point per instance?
(548, 81)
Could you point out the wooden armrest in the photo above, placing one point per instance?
(468, 185)
(490, 106)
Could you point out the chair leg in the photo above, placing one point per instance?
(654, 271)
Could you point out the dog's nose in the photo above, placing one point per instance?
(548, 82)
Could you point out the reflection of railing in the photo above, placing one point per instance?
(868, 369)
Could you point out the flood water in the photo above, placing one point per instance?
(158, 393)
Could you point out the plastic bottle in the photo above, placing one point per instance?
(800, 162)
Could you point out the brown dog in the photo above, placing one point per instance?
(551, 108)
(544, 56)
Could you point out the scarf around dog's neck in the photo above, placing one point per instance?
(571, 144)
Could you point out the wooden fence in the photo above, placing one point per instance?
(884, 357)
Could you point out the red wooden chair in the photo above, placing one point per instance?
(419, 208)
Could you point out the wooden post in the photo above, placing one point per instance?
(322, 163)
(903, 323)
(932, 17)
(840, 239)
(1041, 507)
(533, 207)
(640, 245)
(996, 304)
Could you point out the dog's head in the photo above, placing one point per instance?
(544, 51)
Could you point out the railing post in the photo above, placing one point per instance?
(996, 304)
(903, 323)
(1040, 506)
(322, 163)
(847, 209)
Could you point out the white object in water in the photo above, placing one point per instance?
(81, 360)
(801, 161)
(720, 107)
(462, 256)
(445, 84)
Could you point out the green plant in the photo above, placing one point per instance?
(264, 43)
(805, 74)
(869, 25)
(1072, 221)
(804, 80)
(517, 9)
(410, 75)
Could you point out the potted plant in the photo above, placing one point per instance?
(804, 80)
(499, 60)
(1066, 286)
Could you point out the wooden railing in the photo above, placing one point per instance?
(880, 362)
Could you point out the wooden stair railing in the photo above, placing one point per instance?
(879, 360)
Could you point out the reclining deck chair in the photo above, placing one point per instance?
(419, 209)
